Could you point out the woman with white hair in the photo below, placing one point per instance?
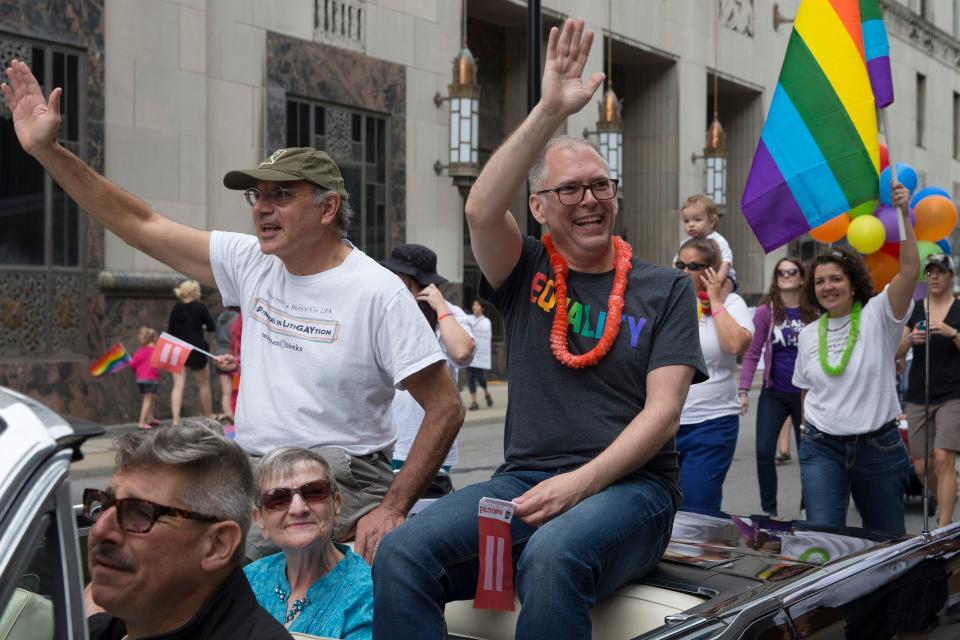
(313, 585)
(188, 320)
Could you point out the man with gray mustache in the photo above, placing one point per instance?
(166, 545)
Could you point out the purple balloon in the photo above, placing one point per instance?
(888, 216)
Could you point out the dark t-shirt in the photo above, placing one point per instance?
(559, 418)
(230, 613)
(944, 361)
(188, 321)
(784, 356)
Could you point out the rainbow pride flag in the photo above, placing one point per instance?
(115, 359)
(818, 154)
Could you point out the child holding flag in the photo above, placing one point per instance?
(146, 375)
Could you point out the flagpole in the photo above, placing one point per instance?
(893, 172)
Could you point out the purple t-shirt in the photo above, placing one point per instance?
(784, 342)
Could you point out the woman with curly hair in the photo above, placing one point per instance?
(782, 314)
(845, 365)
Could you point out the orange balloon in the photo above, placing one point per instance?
(882, 267)
(832, 230)
(936, 218)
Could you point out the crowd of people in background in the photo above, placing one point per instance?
(348, 415)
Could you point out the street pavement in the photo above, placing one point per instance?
(481, 452)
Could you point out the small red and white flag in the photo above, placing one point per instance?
(171, 353)
(495, 580)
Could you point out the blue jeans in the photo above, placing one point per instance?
(561, 569)
(772, 409)
(706, 451)
(875, 469)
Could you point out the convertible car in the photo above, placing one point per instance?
(722, 577)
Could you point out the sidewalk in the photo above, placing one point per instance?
(98, 452)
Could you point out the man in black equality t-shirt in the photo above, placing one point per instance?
(594, 403)
(166, 545)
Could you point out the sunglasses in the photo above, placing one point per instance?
(277, 499)
(788, 273)
(692, 266)
(133, 514)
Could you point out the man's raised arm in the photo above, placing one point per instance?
(36, 122)
(494, 234)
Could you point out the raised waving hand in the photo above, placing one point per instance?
(563, 89)
(35, 119)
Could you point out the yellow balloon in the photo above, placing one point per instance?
(866, 234)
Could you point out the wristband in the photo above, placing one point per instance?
(444, 315)
(718, 310)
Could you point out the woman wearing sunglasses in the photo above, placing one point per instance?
(313, 585)
(782, 314)
(846, 367)
(711, 415)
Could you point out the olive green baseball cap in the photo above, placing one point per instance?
(287, 165)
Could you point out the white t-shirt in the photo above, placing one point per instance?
(322, 353)
(726, 253)
(407, 412)
(864, 397)
(483, 333)
(717, 397)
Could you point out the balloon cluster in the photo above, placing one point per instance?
(872, 228)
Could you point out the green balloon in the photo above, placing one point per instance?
(864, 209)
(926, 248)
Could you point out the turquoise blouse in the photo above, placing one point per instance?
(339, 605)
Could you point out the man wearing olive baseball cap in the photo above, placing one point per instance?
(328, 332)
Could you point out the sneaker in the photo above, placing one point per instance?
(489, 400)
(782, 458)
(473, 406)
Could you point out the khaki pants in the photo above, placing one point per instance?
(363, 481)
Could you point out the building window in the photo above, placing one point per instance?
(42, 226)
(956, 125)
(921, 108)
(358, 143)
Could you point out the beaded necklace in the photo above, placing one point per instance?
(837, 370)
(295, 608)
(558, 333)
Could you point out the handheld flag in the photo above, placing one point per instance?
(495, 579)
(115, 359)
(818, 154)
(170, 353)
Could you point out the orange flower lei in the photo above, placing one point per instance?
(558, 333)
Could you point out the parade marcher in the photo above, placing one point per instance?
(595, 390)
(482, 330)
(416, 266)
(189, 318)
(782, 313)
(846, 366)
(221, 346)
(146, 376)
(944, 410)
(166, 544)
(711, 415)
(314, 585)
(330, 332)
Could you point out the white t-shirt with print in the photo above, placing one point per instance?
(482, 331)
(726, 253)
(864, 397)
(321, 354)
(717, 397)
(407, 412)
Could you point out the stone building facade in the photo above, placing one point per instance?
(165, 96)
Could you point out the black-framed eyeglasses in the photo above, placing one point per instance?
(572, 194)
(788, 273)
(277, 195)
(280, 498)
(134, 514)
(692, 266)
